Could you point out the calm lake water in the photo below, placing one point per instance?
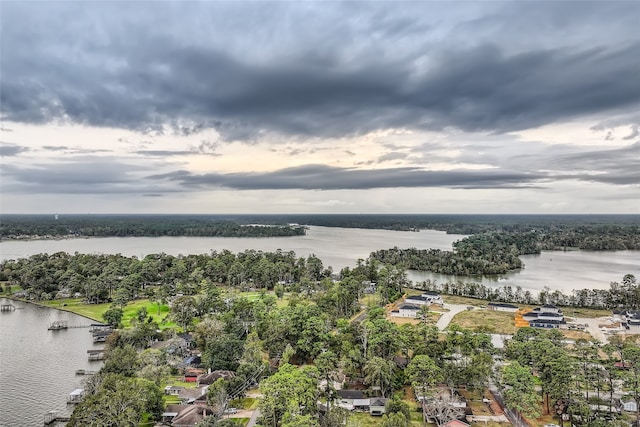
(342, 247)
(37, 366)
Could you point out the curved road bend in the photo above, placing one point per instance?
(446, 317)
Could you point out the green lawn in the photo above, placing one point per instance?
(255, 295)
(95, 311)
(363, 419)
(240, 422)
(244, 403)
(496, 322)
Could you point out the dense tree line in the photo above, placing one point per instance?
(21, 226)
(575, 381)
(498, 252)
(627, 225)
(491, 253)
(623, 294)
(119, 278)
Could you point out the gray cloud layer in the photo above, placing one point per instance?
(97, 175)
(321, 177)
(7, 149)
(246, 69)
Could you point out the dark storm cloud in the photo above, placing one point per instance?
(8, 149)
(321, 177)
(147, 73)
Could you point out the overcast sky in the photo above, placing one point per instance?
(296, 107)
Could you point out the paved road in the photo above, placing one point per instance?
(593, 328)
(254, 418)
(446, 317)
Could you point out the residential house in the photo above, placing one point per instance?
(499, 306)
(434, 297)
(417, 300)
(191, 374)
(426, 298)
(369, 288)
(546, 316)
(173, 390)
(190, 395)
(353, 400)
(629, 404)
(406, 310)
(193, 361)
(547, 324)
(187, 340)
(211, 377)
(185, 415)
(377, 406)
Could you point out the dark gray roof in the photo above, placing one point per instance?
(548, 322)
(432, 293)
(406, 306)
(502, 304)
(351, 394)
(378, 401)
(418, 298)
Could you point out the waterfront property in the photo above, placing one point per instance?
(427, 298)
(52, 417)
(76, 396)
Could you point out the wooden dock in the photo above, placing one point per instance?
(52, 417)
(58, 325)
(85, 372)
(96, 354)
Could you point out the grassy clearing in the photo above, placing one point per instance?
(177, 382)
(433, 318)
(455, 299)
(75, 305)
(170, 400)
(576, 335)
(585, 312)
(153, 309)
(256, 295)
(363, 419)
(244, 403)
(370, 300)
(240, 422)
(496, 322)
(95, 311)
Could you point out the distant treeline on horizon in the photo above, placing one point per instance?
(408, 222)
